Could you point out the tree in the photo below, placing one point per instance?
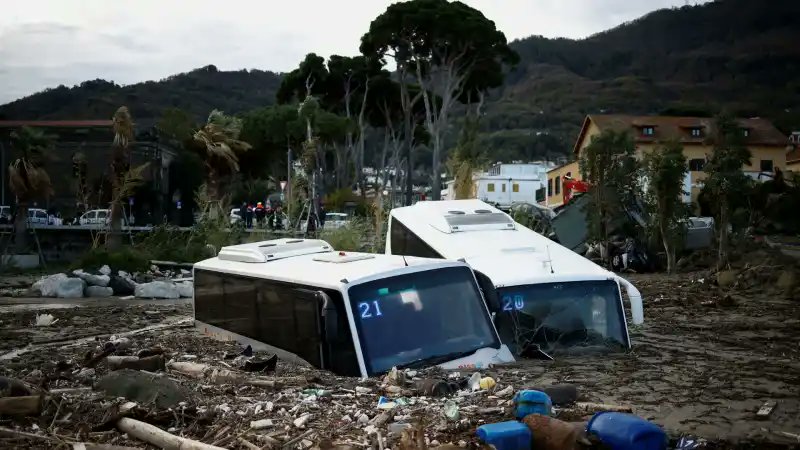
(724, 176)
(219, 147)
(442, 44)
(609, 166)
(120, 164)
(467, 157)
(665, 168)
(27, 177)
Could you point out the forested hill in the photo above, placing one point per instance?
(739, 54)
(196, 92)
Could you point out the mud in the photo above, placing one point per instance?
(702, 364)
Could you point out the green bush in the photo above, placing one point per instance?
(127, 258)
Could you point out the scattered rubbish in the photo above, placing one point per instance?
(248, 351)
(398, 428)
(261, 365)
(690, 443)
(487, 383)
(386, 404)
(301, 421)
(532, 402)
(363, 390)
(550, 433)
(261, 424)
(44, 320)
(434, 388)
(505, 392)
(451, 411)
(766, 409)
(626, 432)
(511, 435)
(475, 382)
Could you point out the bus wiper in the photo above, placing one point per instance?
(434, 360)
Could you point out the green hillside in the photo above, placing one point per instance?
(738, 54)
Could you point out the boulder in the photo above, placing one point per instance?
(94, 280)
(185, 289)
(47, 286)
(122, 285)
(99, 291)
(70, 288)
(143, 388)
(726, 278)
(105, 270)
(157, 289)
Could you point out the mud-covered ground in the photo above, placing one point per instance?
(703, 363)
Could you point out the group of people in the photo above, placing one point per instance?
(262, 215)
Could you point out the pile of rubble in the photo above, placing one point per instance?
(161, 385)
(105, 282)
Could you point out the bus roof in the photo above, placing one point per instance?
(494, 244)
(313, 263)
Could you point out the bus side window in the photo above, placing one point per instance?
(405, 242)
(240, 306)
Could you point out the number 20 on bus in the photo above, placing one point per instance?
(513, 303)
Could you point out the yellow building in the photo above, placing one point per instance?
(767, 145)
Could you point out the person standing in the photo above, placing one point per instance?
(261, 213)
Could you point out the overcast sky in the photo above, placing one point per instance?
(44, 43)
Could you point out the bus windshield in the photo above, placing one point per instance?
(421, 318)
(563, 317)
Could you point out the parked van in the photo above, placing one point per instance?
(353, 314)
(37, 216)
(548, 297)
(95, 217)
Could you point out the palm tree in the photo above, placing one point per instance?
(120, 163)
(27, 177)
(219, 147)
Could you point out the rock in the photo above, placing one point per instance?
(121, 285)
(12, 387)
(94, 280)
(185, 289)
(142, 388)
(105, 270)
(786, 281)
(99, 291)
(185, 272)
(47, 286)
(726, 278)
(157, 289)
(70, 288)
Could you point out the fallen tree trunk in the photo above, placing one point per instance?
(160, 438)
(30, 405)
(597, 407)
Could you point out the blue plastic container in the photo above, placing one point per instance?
(627, 432)
(532, 402)
(511, 435)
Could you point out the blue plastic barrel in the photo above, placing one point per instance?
(627, 432)
(511, 435)
(532, 402)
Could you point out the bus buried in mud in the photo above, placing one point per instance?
(354, 314)
(547, 298)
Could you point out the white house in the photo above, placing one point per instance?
(505, 184)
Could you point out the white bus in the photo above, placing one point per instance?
(353, 314)
(547, 297)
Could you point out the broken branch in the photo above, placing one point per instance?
(160, 438)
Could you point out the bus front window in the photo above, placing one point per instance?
(431, 316)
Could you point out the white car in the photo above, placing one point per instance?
(37, 216)
(235, 216)
(95, 217)
(334, 220)
(5, 215)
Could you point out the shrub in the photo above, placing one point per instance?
(126, 258)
